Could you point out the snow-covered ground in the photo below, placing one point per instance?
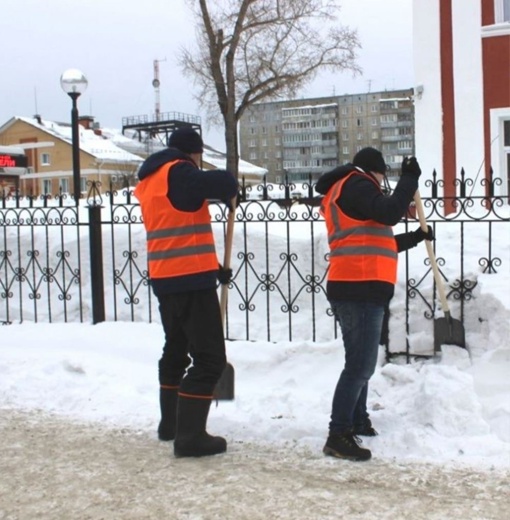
(450, 412)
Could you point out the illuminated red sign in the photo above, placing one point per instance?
(12, 161)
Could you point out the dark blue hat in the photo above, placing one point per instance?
(186, 140)
(370, 160)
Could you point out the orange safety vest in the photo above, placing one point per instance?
(178, 242)
(360, 250)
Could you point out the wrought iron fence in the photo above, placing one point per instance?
(62, 262)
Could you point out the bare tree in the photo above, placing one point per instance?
(251, 50)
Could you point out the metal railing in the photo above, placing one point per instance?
(59, 262)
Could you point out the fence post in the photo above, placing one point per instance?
(96, 264)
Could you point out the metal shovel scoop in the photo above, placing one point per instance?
(447, 330)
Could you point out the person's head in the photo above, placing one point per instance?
(371, 160)
(188, 141)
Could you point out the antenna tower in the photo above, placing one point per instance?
(160, 124)
(156, 83)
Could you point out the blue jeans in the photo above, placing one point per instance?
(361, 325)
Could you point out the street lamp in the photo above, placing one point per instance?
(74, 83)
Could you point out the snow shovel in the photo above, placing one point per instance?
(447, 330)
(224, 389)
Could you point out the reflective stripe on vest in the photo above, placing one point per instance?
(178, 242)
(360, 250)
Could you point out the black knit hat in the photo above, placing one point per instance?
(370, 160)
(186, 140)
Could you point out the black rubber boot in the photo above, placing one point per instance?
(191, 439)
(168, 406)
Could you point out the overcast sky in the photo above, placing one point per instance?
(115, 42)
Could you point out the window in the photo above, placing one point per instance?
(264, 142)
(83, 184)
(404, 145)
(46, 187)
(253, 143)
(345, 150)
(389, 118)
(277, 141)
(45, 159)
(502, 10)
(506, 133)
(253, 156)
(63, 185)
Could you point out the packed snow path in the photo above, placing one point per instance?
(51, 468)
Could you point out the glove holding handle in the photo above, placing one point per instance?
(420, 235)
(224, 275)
(411, 167)
(430, 250)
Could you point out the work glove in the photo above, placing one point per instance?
(229, 204)
(411, 167)
(224, 275)
(419, 235)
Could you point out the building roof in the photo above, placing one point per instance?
(211, 156)
(219, 160)
(12, 150)
(113, 146)
(100, 147)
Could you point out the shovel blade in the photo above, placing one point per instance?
(224, 390)
(448, 331)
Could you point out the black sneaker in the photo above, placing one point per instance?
(345, 446)
(365, 429)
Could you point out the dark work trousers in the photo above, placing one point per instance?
(194, 352)
(361, 324)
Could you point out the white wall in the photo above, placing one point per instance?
(468, 74)
(468, 84)
(428, 111)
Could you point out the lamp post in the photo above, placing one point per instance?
(74, 83)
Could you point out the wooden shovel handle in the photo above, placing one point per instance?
(229, 238)
(430, 251)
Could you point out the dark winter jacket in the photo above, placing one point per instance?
(363, 200)
(189, 188)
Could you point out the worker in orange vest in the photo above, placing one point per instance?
(183, 270)
(361, 279)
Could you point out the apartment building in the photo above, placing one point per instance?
(304, 137)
